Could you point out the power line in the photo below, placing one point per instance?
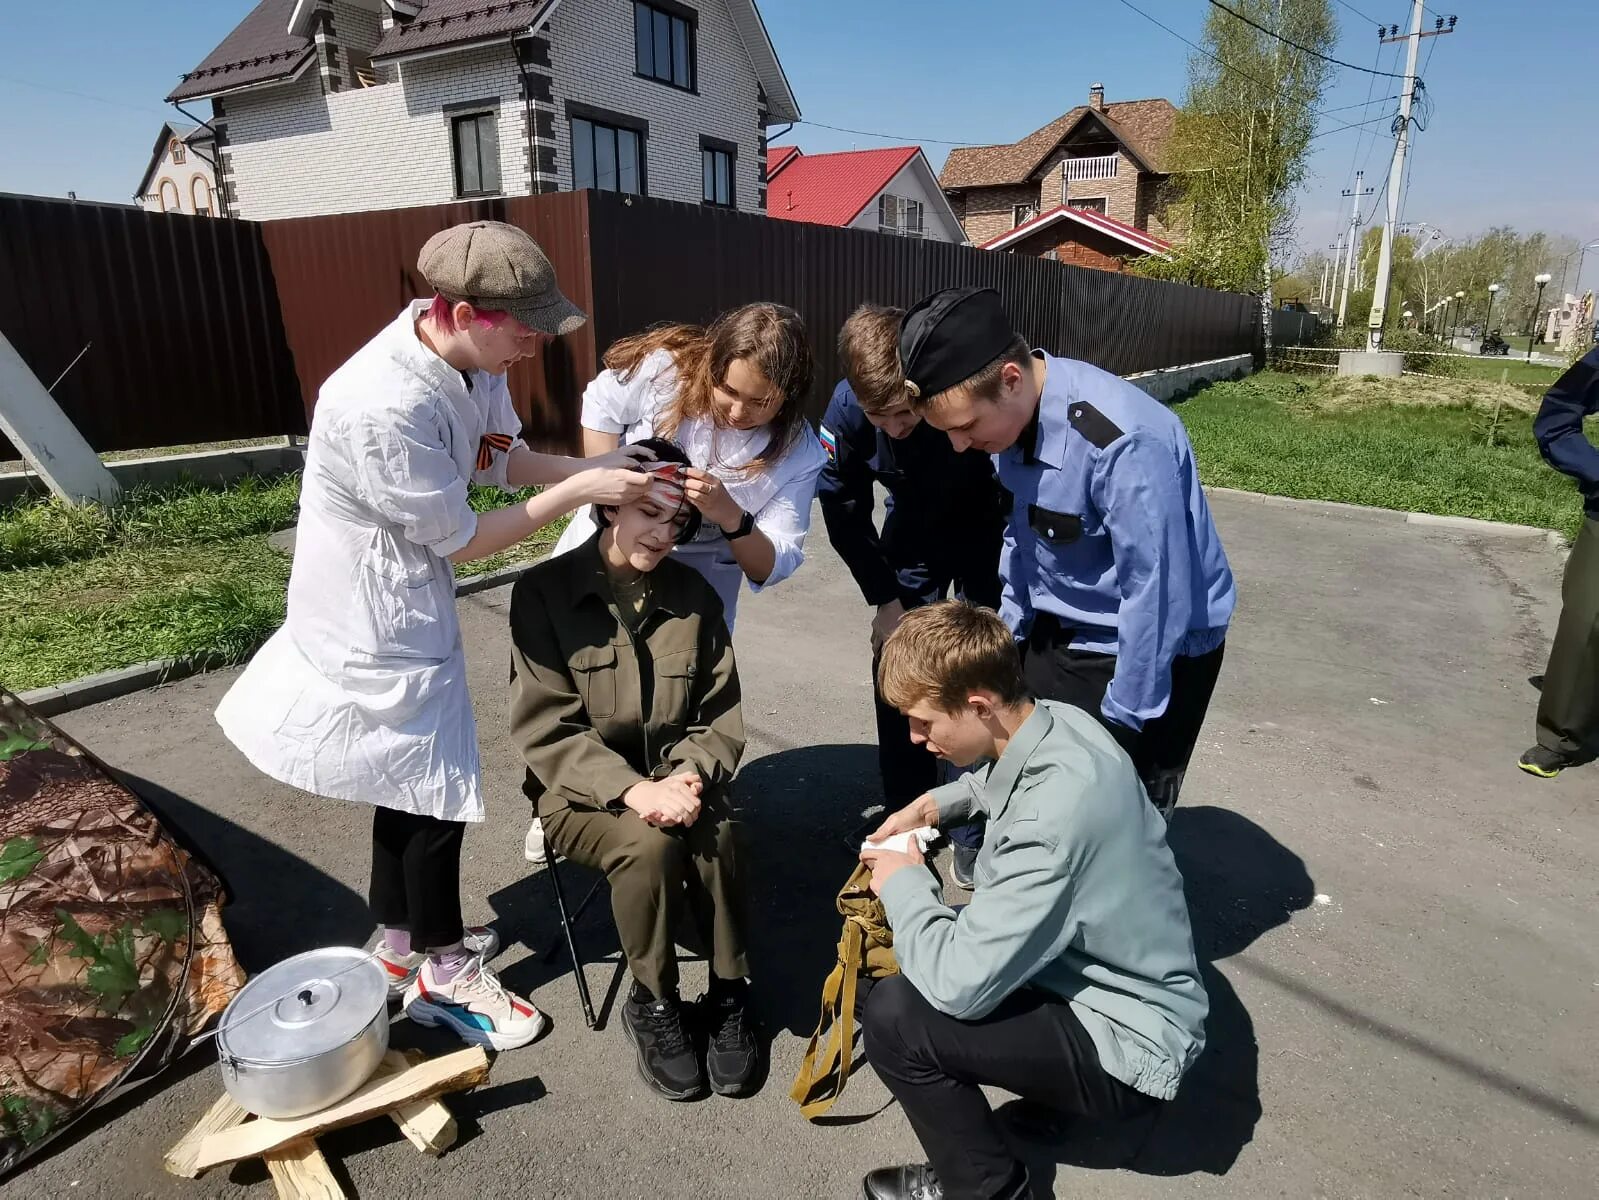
(1360, 14)
(890, 137)
(1371, 86)
(45, 87)
(1352, 125)
(1337, 62)
(1226, 65)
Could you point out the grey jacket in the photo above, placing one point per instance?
(1077, 894)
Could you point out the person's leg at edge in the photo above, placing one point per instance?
(1568, 709)
(936, 1067)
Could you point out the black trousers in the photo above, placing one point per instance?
(936, 1066)
(1162, 749)
(907, 769)
(416, 876)
(1568, 712)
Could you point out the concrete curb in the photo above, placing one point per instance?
(124, 681)
(1393, 516)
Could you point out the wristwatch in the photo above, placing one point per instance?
(745, 524)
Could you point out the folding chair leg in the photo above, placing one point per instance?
(566, 928)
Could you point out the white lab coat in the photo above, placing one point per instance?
(779, 495)
(362, 694)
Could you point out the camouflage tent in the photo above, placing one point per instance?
(112, 951)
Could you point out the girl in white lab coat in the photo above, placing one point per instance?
(362, 694)
(733, 396)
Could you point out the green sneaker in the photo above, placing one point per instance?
(1543, 763)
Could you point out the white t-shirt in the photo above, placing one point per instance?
(779, 495)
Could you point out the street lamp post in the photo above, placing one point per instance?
(1542, 280)
(1488, 317)
(1460, 304)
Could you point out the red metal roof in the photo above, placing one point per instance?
(829, 189)
(1137, 238)
(777, 158)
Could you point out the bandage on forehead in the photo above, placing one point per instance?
(669, 493)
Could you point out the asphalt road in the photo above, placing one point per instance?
(1398, 927)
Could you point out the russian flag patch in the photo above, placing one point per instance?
(829, 442)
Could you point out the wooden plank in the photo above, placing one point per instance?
(299, 1172)
(223, 1115)
(427, 1124)
(451, 1073)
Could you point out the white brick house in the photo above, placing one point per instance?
(328, 106)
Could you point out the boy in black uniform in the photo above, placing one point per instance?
(942, 526)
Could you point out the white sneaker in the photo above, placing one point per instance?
(479, 940)
(476, 1005)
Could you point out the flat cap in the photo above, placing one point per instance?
(951, 336)
(495, 266)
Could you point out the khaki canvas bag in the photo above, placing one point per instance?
(865, 949)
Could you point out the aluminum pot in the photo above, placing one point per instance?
(305, 1033)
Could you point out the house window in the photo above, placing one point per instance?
(1022, 213)
(607, 158)
(200, 193)
(663, 44)
(475, 139)
(169, 197)
(716, 168)
(1093, 204)
(179, 152)
(899, 216)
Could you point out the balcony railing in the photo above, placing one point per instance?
(1077, 170)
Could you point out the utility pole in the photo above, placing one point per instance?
(1351, 238)
(1321, 290)
(1396, 173)
(1337, 266)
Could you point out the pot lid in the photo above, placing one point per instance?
(304, 1006)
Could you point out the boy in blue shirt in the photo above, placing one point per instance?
(942, 524)
(1115, 581)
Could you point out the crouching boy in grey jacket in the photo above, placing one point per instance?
(1070, 978)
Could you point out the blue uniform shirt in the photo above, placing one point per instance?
(1110, 532)
(942, 521)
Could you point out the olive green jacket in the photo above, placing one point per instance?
(596, 709)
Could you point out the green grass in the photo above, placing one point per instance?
(177, 572)
(1516, 372)
(1268, 434)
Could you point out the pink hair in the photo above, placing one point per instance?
(442, 312)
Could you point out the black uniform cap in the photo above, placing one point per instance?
(951, 336)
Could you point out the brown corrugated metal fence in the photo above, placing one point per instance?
(654, 260)
(203, 329)
(180, 316)
(342, 278)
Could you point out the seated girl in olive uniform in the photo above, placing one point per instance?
(625, 705)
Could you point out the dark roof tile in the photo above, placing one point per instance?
(1144, 126)
(259, 50)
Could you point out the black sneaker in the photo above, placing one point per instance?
(1545, 764)
(962, 864)
(917, 1181)
(733, 1055)
(666, 1057)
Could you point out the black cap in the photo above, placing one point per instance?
(951, 336)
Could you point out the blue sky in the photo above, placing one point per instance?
(1508, 143)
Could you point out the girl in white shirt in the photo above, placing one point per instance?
(733, 396)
